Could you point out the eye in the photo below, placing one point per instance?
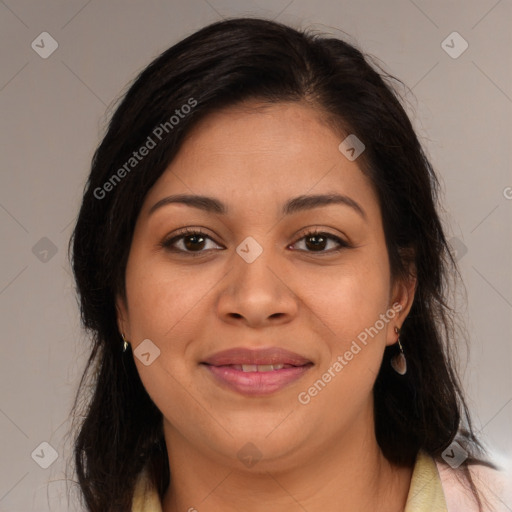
(194, 242)
(189, 241)
(317, 241)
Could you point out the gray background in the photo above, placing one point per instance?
(53, 113)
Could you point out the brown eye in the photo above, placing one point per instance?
(194, 242)
(318, 241)
(189, 241)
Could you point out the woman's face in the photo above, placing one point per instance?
(254, 279)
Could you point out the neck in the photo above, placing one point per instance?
(348, 474)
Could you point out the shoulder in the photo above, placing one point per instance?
(494, 486)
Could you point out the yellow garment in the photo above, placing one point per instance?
(425, 493)
(145, 496)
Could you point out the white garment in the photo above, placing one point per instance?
(495, 487)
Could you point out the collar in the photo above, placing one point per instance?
(425, 493)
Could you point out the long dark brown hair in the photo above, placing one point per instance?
(120, 429)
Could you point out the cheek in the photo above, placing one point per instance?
(353, 348)
(164, 307)
(349, 305)
(173, 392)
(163, 298)
(347, 298)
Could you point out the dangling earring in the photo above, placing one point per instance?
(398, 362)
(125, 343)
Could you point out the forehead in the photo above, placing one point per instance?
(262, 154)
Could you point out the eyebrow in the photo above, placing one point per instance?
(296, 204)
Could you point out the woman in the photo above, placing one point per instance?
(259, 258)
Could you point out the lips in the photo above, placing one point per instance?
(259, 367)
(256, 372)
(268, 356)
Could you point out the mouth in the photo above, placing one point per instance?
(256, 372)
(257, 367)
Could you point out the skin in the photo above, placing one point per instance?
(319, 456)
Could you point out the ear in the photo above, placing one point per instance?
(401, 300)
(123, 323)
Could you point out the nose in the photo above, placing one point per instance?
(257, 294)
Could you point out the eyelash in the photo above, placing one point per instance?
(168, 243)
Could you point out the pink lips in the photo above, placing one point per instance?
(226, 367)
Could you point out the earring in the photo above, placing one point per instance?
(125, 343)
(398, 362)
